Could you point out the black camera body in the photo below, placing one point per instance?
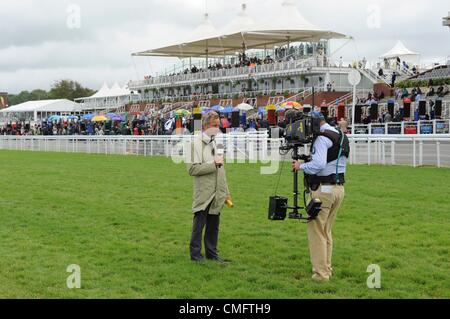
(301, 129)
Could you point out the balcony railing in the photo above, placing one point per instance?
(258, 71)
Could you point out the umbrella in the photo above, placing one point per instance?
(88, 117)
(114, 117)
(206, 110)
(262, 110)
(217, 108)
(290, 104)
(227, 110)
(99, 118)
(245, 107)
(271, 107)
(72, 117)
(182, 112)
(53, 118)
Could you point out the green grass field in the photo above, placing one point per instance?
(126, 221)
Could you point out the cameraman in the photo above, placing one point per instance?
(325, 175)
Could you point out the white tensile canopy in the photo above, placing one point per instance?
(286, 26)
(106, 92)
(49, 106)
(401, 51)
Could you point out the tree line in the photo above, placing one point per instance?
(62, 89)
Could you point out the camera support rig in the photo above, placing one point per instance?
(295, 214)
(278, 206)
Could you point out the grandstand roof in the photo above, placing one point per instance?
(43, 106)
(285, 25)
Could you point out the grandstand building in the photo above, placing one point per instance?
(259, 64)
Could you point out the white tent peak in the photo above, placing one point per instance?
(242, 22)
(103, 92)
(116, 90)
(398, 50)
(205, 30)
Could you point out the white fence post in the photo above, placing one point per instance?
(393, 152)
(438, 153)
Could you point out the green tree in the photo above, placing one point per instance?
(62, 89)
(67, 89)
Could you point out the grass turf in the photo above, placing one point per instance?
(126, 221)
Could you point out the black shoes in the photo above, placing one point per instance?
(200, 260)
(220, 260)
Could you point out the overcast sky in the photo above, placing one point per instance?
(41, 41)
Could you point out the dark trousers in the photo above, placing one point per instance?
(202, 219)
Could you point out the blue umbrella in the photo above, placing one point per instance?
(72, 117)
(217, 108)
(206, 110)
(115, 117)
(53, 118)
(227, 110)
(262, 110)
(88, 117)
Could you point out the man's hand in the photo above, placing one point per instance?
(296, 166)
(219, 161)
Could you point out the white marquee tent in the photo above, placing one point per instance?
(405, 54)
(107, 98)
(33, 110)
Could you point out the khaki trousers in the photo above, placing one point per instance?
(319, 230)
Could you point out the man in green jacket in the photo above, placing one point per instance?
(210, 189)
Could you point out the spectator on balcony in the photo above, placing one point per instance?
(405, 67)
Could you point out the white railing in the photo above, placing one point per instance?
(365, 149)
(416, 151)
(233, 73)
